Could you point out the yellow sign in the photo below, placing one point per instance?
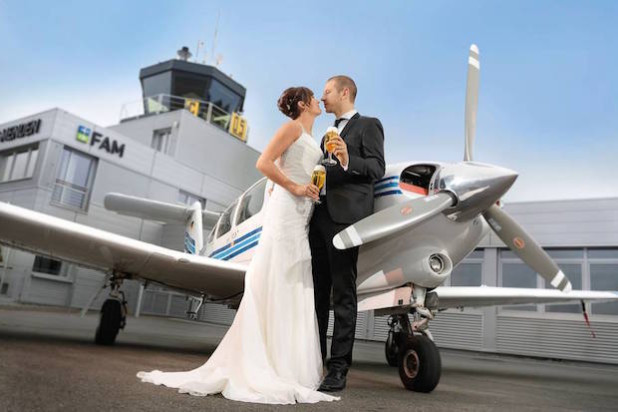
(193, 106)
(238, 127)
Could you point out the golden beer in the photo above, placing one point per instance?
(318, 177)
(329, 139)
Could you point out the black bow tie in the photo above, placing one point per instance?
(339, 121)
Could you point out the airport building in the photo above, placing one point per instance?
(185, 140)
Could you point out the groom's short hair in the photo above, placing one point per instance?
(344, 81)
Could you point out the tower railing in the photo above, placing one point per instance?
(162, 103)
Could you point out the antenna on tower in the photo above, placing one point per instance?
(214, 39)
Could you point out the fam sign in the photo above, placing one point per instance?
(111, 146)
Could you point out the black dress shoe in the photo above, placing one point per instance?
(334, 381)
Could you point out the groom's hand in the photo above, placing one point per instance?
(341, 152)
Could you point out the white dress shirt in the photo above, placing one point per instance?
(346, 117)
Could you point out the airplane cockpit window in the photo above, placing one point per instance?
(225, 222)
(252, 202)
(416, 178)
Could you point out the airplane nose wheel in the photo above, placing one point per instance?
(415, 354)
(410, 364)
(420, 365)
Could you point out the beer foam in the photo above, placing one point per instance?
(332, 129)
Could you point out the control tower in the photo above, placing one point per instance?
(202, 89)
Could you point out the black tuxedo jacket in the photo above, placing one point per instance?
(349, 194)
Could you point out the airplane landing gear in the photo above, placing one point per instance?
(420, 365)
(393, 341)
(113, 315)
(415, 354)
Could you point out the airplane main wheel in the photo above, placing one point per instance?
(109, 323)
(419, 364)
(391, 348)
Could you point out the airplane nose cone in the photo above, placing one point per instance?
(503, 179)
(476, 186)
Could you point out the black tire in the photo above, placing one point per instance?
(109, 323)
(420, 365)
(391, 348)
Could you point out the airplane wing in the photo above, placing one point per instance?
(457, 297)
(86, 246)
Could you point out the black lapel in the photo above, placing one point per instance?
(346, 128)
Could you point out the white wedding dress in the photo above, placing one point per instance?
(271, 353)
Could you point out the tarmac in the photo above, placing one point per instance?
(48, 362)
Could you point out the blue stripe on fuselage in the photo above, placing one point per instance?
(240, 239)
(386, 179)
(388, 193)
(237, 245)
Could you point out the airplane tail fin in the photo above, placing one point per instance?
(193, 217)
(194, 234)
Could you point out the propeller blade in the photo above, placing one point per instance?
(516, 238)
(392, 220)
(472, 100)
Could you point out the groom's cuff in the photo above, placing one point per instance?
(345, 168)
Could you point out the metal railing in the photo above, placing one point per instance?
(162, 103)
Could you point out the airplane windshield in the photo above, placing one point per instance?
(225, 222)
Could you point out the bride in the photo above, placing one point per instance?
(271, 353)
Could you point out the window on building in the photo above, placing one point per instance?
(467, 274)
(604, 276)
(187, 198)
(1, 256)
(162, 140)
(252, 202)
(48, 266)
(518, 275)
(573, 271)
(603, 253)
(558, 254)
(225, 221)
(18, 163)
(223, 97)
(75, 179)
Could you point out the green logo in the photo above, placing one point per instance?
(83, 134)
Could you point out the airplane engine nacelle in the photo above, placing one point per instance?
(427, 268)
(432, 271)
(475, 187)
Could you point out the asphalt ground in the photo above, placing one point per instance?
(49, 363)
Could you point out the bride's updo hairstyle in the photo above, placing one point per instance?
(288, 102)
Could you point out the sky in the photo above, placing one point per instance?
(548, 100)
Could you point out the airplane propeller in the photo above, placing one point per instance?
(393, 219)
(413, 212)
(472, 100)
(516, 238)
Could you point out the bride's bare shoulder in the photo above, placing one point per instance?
(291, 128)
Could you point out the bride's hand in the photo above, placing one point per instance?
(310, 191)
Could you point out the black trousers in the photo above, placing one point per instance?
(333, 269)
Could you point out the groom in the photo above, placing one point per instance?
(348, 199)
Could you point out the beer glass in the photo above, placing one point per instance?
(330, 145)
(318, 178)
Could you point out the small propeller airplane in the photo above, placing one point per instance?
(428, 217)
